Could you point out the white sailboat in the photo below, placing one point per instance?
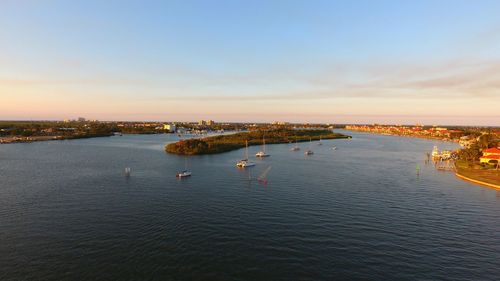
(185, 173)
(435, 153)
(320, 143)
(309, 151)
(296, 147)
(243, 163)
(263, 152)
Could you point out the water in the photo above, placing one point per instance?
(67, 212)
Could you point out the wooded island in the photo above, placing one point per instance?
(224, 143)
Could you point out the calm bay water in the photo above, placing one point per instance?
(67, 212)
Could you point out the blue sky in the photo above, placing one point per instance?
(431, 62)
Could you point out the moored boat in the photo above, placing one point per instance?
(183, 174)
(243, 163)
(263, 152)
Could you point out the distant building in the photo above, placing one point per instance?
(206, 122)
(281, 123)
(81, 119)
(467, 141)
(170, 128)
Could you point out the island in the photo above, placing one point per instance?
(228, 142)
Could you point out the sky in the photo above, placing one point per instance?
(360, 61)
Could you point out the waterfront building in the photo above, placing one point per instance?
(490, 154)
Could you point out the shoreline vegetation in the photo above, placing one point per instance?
(225, 143)
(17, 139)
(34, 131)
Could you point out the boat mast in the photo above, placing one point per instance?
(246, 149)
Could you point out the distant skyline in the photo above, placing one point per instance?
(391, 62)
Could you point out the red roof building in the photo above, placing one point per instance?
(490, 154)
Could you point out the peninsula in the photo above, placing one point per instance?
(224, 143)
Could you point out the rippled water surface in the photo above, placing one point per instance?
(67, 212)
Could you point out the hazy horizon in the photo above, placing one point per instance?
(344, 62)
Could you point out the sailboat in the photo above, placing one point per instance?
(263, 152)
(185, 173)
(296, 147)
(320, 143)
(309, 151)
(243, 163)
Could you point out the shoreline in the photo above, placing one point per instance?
(484, 177)
(477, 181)
(12, 140)
(406, 136)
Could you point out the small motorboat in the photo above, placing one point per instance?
(309, 152)
(334, 148)
(245, 163)
(183, 174)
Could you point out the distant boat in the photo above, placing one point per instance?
(435, 153)
(309, 151)
(320, 143)
(243, 163)
(185, 173)
(127, 172)
(296, 147)
(263, 152)
(334, 148)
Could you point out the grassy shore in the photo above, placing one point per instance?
(474, 172)
(224, 143)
